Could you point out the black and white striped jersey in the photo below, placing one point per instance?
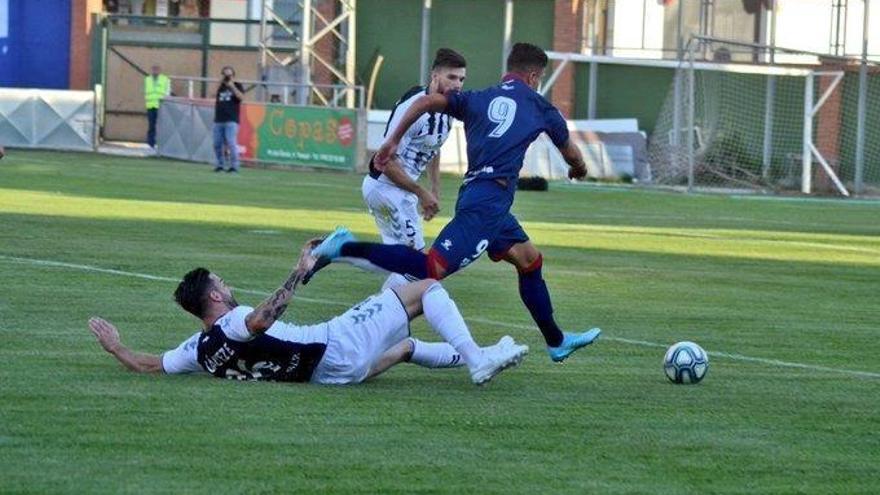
(422, 141)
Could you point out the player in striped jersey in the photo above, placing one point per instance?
(244, 343)
(501, 122)
(393, 195)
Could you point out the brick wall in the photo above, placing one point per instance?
(566, 36)
(81, 41)
(827, 131)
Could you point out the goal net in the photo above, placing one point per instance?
(739, 122)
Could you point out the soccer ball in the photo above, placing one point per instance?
(685, 362)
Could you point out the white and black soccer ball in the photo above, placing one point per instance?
(685, 362)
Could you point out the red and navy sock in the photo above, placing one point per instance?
(536, 297)
(394, 258)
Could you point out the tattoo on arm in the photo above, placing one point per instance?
(274, 306)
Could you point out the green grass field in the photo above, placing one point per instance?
(783, 294)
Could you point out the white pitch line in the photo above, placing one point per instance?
(643, 343)
(735, 357)
(146, 276)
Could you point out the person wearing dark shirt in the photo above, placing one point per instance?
(243, 343)
(500, 123)
(226, 109)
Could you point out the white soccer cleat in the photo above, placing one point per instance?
(503, 342)
(497, 358)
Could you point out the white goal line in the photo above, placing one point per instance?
(642, 343)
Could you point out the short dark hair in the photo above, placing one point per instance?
(525, 57)
(449, 58)
(191, 293)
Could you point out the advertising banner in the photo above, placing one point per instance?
(306, 136)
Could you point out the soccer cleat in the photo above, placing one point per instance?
(572, 342)
(319, 263)
(328, 250)
(331, 246)
(496, 359)
(502, 343)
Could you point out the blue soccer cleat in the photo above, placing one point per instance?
(328, 250)
(331, 246)
(572, 342)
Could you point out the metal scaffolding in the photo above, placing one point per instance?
(310, 37)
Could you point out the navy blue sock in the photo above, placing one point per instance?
(536, 297)
(394, 258)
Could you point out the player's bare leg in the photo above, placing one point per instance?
(536, 297)
(399, 353)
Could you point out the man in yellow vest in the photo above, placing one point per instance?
(156, 87)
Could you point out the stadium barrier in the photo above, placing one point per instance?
(613, 149)
(184, 129)
(292, 135)
(49, 119)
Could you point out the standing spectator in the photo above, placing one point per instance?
(156, 87)
(226, 107)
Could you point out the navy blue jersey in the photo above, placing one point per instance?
(262, 358)
(500, 123)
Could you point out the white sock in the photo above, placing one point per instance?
(394, 280)
(434, 355)
(443, 316)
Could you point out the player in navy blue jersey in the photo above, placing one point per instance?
(500, 123)
(243, 343)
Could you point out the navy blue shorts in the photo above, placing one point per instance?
(482, 222)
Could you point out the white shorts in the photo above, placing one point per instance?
(396, 212)
(358, 338)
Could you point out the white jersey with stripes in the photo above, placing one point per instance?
(422, 141)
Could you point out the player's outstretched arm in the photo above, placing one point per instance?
(265, 315)
(434, 102)
(427, 200)
(574, 159)
(108, 337)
